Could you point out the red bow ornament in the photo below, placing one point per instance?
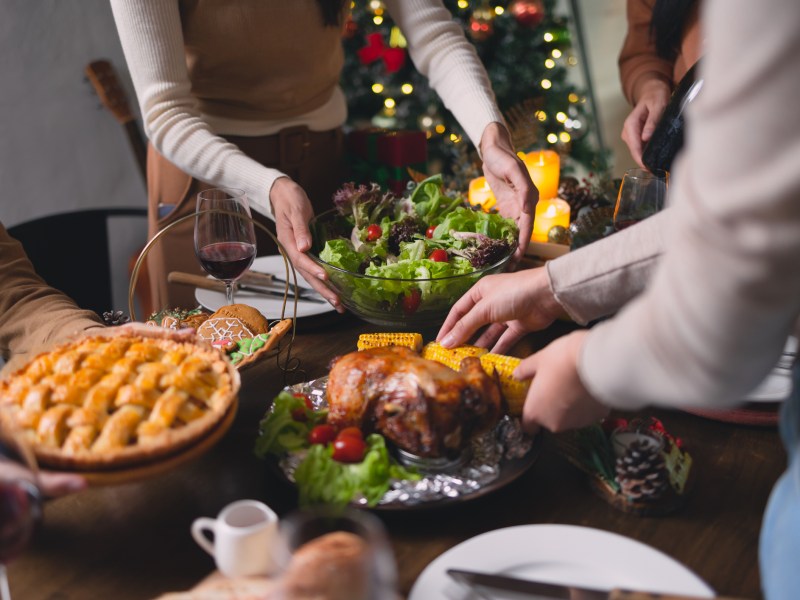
(393, 58)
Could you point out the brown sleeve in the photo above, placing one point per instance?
(33, 314)
(638, 58)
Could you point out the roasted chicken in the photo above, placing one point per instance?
(422, 406)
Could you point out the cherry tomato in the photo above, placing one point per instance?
(439, 255)
(411, 302)
(321, 434)
(349, 449)
(299, 414)
(350, 432)
(374, 232)
(429, 232)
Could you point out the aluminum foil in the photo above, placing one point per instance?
(477, 469)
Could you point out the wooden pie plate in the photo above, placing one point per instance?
(167, 463)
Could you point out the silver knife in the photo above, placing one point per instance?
(260, 278)
(485, 583)
(219, 286)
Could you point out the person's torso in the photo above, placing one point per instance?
(260, 59)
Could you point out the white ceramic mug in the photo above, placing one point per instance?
(244, 537)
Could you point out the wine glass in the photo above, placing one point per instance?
(20, 500)
(224, 239)
(641, 195)
(327, 551)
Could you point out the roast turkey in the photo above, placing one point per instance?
(422, 406)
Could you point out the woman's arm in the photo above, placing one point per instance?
(152, 40)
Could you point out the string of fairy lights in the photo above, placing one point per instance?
(481, 15)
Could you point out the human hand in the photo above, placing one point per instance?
(557, 399)
(55, 484)
(293, 212)
(640, 124)
(510, 182)
(514, 303)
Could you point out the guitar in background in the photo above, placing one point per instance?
(106, 85)
(103, 77)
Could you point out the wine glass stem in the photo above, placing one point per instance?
(229, 292)
(5, 592)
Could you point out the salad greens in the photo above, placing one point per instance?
(395, 240)
(320, 478)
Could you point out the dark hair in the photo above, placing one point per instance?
(667, 25)
(331, 11)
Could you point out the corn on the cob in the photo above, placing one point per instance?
(514, 390)
(379, 340)
(450, 357)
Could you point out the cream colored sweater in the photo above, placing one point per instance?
(726, 292)
(152, 39)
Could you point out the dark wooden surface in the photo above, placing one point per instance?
(132, 540)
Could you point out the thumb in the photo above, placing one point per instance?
(527, 368)
(302, 235)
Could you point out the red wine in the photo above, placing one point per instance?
(667, 138)
(226, 260)
(20, 510)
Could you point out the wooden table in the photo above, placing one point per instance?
(133, 541)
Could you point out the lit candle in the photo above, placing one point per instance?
(480, 194)
(549, 213)
(544, 167)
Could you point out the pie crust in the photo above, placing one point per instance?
(106, 402)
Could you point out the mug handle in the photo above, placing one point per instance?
(199, 526)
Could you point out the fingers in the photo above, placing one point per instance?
(316, 277)
(492, 333)
(54, 485)
(462, 321)
(507, 340)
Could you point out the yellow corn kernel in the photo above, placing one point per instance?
(450, 357)
(379, 340)
(513, 390)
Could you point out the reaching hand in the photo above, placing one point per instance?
(515, 303)
(510, 182)
(55, 484)
(292, 210)
(641, 122)
(557, 399)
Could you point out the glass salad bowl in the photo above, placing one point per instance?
(417, 295)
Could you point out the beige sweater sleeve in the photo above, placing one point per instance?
(726, 292)
(32, 314)
(597, 280)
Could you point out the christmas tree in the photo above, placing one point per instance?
(528, 52)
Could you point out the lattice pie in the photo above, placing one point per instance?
(106, 402)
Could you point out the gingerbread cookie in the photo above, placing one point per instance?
(178, 318)
(233, 323)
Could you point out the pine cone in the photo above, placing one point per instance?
(115, 317)
(591, 226)
(642, 473)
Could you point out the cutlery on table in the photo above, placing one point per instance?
(528, 588)
(259, 278)
(218, 286)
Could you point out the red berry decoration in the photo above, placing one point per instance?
(374, 232)
(439, 255)
(528, 13)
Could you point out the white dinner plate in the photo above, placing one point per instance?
(775, 388)
(560, 554)
(268, 306)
